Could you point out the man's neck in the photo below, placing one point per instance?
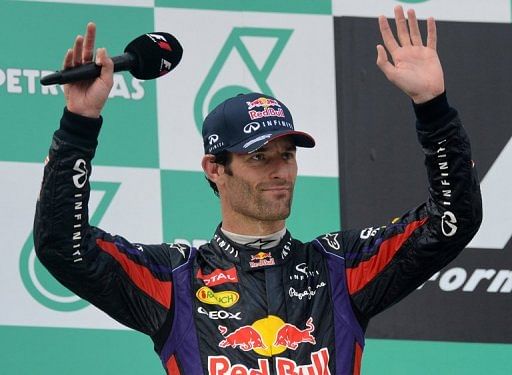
(258, 242)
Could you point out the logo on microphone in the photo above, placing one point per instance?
(165, 67)
(161, 41)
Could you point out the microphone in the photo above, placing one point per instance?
(149, 56)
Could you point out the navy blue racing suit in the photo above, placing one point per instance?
(228, 309)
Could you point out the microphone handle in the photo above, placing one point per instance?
(126, 61)
(88, 71)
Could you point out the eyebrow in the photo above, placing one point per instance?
(291, 147)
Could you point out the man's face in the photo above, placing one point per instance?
(260, 185)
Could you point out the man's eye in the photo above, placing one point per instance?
(288, 156)
(258, 157)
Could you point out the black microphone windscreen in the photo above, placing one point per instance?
(156, 54)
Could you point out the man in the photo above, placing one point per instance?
(254, 300)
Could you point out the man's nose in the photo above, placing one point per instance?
(281, 168)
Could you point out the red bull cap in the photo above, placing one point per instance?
(246, 122)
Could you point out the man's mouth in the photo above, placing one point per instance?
(277, 188)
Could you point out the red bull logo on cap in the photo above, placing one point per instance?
(262, 102)
(268, 112)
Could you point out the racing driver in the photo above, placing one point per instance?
(254, 300)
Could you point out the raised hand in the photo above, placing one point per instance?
(415, 68)
(87, 98)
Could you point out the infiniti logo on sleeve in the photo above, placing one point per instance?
(80, 178)
(448, 222)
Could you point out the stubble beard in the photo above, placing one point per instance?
(256, 204)
(273, 210)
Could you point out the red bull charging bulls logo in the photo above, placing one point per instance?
(245, 338)
(290, 336)
(270, 336)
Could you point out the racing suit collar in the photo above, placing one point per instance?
(248, 257)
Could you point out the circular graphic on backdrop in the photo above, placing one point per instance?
(42, 286)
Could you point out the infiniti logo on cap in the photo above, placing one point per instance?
(213, 139)
(250, 127)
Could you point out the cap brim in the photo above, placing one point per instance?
(300, 139)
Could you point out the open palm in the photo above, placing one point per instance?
(415, 68)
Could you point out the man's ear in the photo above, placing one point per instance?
(210, 168)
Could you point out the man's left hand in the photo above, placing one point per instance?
(415, 68)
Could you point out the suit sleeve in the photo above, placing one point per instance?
(130, 282)
(384, 264)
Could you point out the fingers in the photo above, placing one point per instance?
(387, 35)
(106, 63)
(83, 48)
(431, 33)
(383, 62)
(77, 50)
(414, 28)
(408, 31)
(68, 59)
(102, 58)
(401, 27)
(88, 48)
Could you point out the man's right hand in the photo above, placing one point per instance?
(87, 98)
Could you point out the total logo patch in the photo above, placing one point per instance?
(226, 298)
(218, 277)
